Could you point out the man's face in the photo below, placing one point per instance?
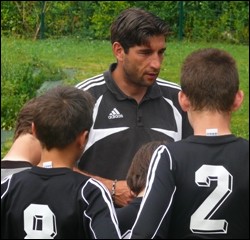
(141, 65)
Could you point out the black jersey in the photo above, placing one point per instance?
(121, 126)
(56, 203)
(126, 215)
(197, 188)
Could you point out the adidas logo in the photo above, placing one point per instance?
(115, 114)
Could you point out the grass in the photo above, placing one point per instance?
(84, 59)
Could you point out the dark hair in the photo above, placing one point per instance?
(134, 26)
(210, 79)
(25, 118)
(62, 114)
(137, 173)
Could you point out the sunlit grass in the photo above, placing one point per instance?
(89, 58)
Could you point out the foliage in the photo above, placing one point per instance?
(167, 10)
(225, 21)
(20, 18)
(104, 14)
(213, 20)
(21, 84)
(6, 145)
(20, 79)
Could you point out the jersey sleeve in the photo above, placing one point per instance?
(100, 211)
(157, 201)
(5, 183)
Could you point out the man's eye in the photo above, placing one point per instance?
(145, 53)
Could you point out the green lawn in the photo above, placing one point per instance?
(81, 59)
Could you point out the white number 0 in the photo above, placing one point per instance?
(200, 220)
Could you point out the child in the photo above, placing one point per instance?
(199, 187)
(26, 149)
(136, 180)
(51, 200)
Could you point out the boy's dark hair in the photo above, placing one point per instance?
(62, 114)
(25, 118)
(134, 26)
(137, 173)
(209, 78)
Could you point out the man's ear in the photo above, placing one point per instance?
(238, 100)
(118, 51)
(184, 101)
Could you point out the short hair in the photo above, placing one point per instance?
(135, 26)
(62, 114)
(25, 118)
(137, 173)
(209, 78)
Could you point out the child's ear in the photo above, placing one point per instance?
(238, 99)
(83, 139)
(184, 101)
(33, 129)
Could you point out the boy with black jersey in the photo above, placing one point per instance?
(136, 180)
(50, 200)
(199, 187)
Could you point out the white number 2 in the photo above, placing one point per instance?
(39, 222)
(200, 220)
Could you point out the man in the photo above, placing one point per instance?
(133, 106)
(199, 187)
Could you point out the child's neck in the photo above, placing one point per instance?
(207, 122)
(57, 159)
(141, 193)
(25, 148)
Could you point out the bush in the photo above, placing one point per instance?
(19, 83)
(202, 20)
